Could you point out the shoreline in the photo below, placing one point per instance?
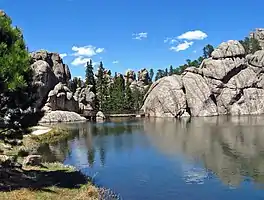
(34, 185)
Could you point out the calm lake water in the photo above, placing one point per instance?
(202, 158)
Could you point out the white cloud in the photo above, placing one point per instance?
(80, 60)
(88, 50)
(63, 55)
(99, 50)
(193, 35)
(182, 46)
(115, 62)
(139, 36)
(170, 40)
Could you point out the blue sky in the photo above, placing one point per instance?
(127, 34)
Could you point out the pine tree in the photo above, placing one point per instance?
(160, 73)
(170, 70)
(137, 99)
(207, 51)
(100, 86)
(129, 101)
(117, 94)
(17, 94)
(166, 72)
(89, 77)
(151, 74)
(251, 45)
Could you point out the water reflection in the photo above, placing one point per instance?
(230, 147)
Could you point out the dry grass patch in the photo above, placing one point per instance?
(52, 181)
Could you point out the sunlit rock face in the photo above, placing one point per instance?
(231, 146)
(230, 82)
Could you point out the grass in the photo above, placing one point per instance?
(51, 181)
(52, 136)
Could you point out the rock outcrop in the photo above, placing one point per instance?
(61, 98)
(259, 35)
(229, 82)
(49, 70)
(52, 79)
(141, 83)
(86, 101)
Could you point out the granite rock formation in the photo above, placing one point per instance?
(229, 82)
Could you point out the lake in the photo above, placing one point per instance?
(210, 158)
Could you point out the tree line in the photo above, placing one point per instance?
(113, 94)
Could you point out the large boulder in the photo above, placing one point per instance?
(231, 48)
(229, 82)
(61, 116)
(166, 98)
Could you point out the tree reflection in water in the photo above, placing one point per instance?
(230, 147)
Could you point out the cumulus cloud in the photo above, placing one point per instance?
(80, 60)
(115, 62)
(63, 55)
(83, 54)
(139, 36)
(182, 46)
(88, 50)
(193, 35)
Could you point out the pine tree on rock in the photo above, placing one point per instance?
(151, 74)
(171, 71)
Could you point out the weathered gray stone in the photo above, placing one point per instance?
(256, 59)
(165, 98)
(61, 98)
(244, 79)
(61, 116)
(44, 79)
(100, 116)
(198, 95)
(259, 35)
(228, 83)
(231, 48)
(219, 69)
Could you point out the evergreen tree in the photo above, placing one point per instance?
(166, 72)
(137, 99)
(160, 73)
(17, 93)
(89, 77)
(129, 101)
(251, 45)
(117, 94)
(100, 86)
(151, 74)
(207, 51)
(171, 71)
